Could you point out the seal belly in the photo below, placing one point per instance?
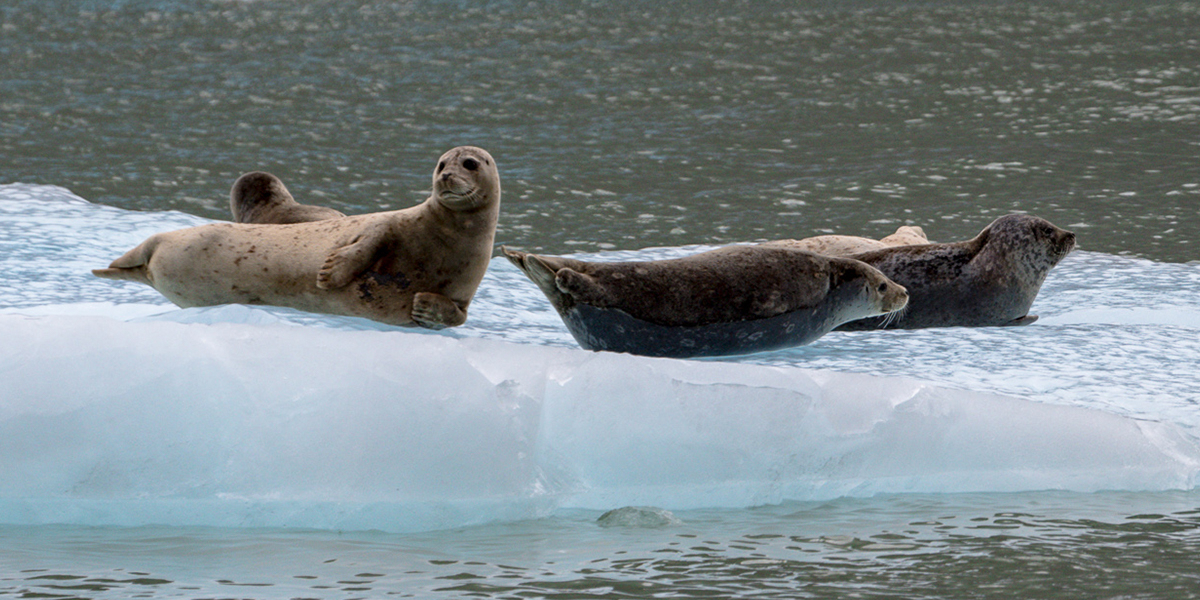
(615, 330)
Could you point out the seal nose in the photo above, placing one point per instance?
(1068, 239)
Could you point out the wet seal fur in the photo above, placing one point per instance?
(259, 197)
(732, 300)
(416, 266)
(846, 245)
(989, 280)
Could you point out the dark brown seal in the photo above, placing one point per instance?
(732, 300)
(991, 279)
(416, 266)
(259, 197)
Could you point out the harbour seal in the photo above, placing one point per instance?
(416, 266)
(845, 245)
(991, 279)
(259, 197)
(732, 300)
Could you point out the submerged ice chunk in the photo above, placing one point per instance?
(638, 517)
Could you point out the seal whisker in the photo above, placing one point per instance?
(893, 317)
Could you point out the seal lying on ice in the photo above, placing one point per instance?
(732, 300)
(991, 279)
(416, 266)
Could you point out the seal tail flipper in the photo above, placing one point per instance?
(516, 257)
(541, 274)
(135, 274)
(534, 268)
(131, 266)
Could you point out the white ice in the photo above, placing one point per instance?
(118, 408)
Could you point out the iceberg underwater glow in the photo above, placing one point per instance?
(117, 408)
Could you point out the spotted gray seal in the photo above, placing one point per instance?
(416, 266)
(259, 197)
(732, 300)
(991, 279)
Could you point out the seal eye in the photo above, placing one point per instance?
(441, 165)
(883, 288)
(470, 164)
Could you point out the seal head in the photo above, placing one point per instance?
(259, 197)
(465, 180)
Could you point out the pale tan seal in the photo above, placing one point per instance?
(416, 266)
(259, 197)
(845, 245)
(732, 300)
(991, 279)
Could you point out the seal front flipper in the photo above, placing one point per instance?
(349, 260)
(580, 287)
(435, 311)
(1025, 320)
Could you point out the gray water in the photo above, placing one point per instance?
(619, 126)
(632, 124)
(950, 546)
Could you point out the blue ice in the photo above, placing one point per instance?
(118, 408)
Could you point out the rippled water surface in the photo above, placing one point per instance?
(622, 126)
(627, 126)
(949, 546)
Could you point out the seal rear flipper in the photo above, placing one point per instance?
(131, 266)
(535, 269)
(546, 279)
(516, 257)
(135, 274)
(1025, 320)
